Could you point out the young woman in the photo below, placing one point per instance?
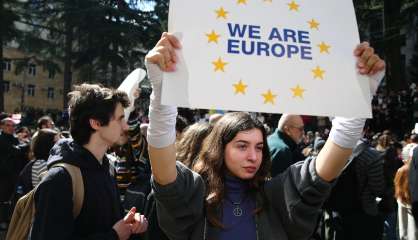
(189, 146)
(407, 227)
(229, 196)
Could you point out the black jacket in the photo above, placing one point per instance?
(13, 157)
(53, 199)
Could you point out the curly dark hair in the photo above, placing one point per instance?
(211, 163)
(92, 101)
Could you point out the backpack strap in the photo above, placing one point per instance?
(78, 186)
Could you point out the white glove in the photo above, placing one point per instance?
(162, 119)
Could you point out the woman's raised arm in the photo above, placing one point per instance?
(161, 133)
(346, 132)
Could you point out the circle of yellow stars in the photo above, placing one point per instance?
(269, 97)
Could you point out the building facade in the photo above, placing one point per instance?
(32, 86)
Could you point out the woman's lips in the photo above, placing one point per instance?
(250, 169)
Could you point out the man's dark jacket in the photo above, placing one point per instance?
(283, 151)
(53, 199)
(13, 158)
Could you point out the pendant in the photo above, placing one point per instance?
(237, 211)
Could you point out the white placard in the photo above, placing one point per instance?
(267, 56)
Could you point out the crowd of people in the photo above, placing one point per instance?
(215, 176)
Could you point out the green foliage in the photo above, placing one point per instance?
(8, 18)
(107, 34)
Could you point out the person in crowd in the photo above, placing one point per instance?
(190, 145)
(13, 157)
(181, 124)
(44, 122)
(406, 139)
(133, 170)
(283, 143)
(406, 222)
(23, 135)
(413, 142)
(134, 178)
(318, 146)
(97, 122)
(34, 171)
(228, 195)
(383, 142)
(387, 205)
(355, 214)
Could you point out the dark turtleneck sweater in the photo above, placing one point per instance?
(236, 227)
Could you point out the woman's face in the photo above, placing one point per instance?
(243, 155)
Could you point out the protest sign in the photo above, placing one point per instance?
(293, 56)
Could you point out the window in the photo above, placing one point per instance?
(32, 69)
(50, 93)
(6, 86)
(51, 74)
(7, 65)
(31, 90)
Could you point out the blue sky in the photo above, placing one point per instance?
(145, 6)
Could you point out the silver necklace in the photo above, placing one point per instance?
(237, 210)
(236, 207)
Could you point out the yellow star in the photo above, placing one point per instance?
(297, 91)
(269, 97)
(213, 37)
(318, 72)
(240, 87)
(323, 47)
(219, 65)
(242, 2)
(313, 24)
(221, 13)
(293, 6)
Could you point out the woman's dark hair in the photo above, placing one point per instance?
(189, 146)
(43, 143)
(211, 163)
(91, 101)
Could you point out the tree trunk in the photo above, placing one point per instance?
(69, 36)
(394, 78)
(1, 75)
(1, 65)
(113, 77)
